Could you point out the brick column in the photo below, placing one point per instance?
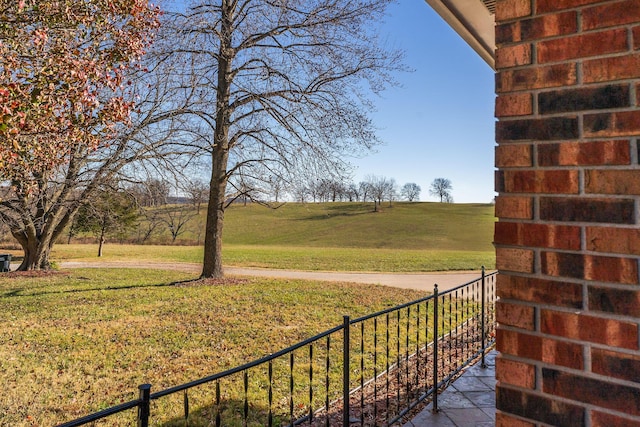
(568, 237)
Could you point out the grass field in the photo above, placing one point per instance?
(296, 258)
(440, 226)
(408, 237)
(81, 341)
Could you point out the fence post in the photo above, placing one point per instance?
(144, 407)
(435, 348)
(345, 371)
(482, 317)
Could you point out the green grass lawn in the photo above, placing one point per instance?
(421, 226)
(80, 341)
(404, 225)
(296, 258)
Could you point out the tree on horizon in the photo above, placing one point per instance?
(411, 191)
(441, 187)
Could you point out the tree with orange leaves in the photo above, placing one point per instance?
(64, 94)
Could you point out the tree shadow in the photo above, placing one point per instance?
(229, 413)
(16, 292)
(341, 210)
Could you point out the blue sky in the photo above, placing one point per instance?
(440, 122)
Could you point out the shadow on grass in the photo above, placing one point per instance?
(196, 281)
(340, 210)
(16, 292)
(230, 413)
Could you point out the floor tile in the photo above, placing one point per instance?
(468, 402)
(466, 383)
(481, 399)
(453, 399)
(468, 416)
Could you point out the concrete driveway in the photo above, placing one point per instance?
(418, 281)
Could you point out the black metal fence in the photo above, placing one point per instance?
(369, 371)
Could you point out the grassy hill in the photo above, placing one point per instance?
(440, 226)
(408, 237)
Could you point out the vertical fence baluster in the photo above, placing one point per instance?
(426, 347)
(478, 315)
(375, 368)
(346, 358)
(406, 357)
(186, 406)
(311, 383)
(218, 418)
(245, 412)
(457, 329)
(398, 365)
(482, 308)
(492, 298)
(144, 407)
(417, 378)
(326, 381)
(362, 373)
(465, 298)
(443, 332)
(450, 331)
(435, 348)
(291, 384)
(387, 373)
(270, 416)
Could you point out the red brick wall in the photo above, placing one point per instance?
(568, 236)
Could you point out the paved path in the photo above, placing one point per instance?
(419, 281)
(469, 401)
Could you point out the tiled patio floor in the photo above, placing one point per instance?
(469, 401)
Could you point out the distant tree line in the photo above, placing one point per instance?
(373, 188)
(154, 205)
(274, 190)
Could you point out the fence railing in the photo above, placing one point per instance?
(369, 371)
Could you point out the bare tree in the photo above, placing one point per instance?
(197, 191)
(410, 191)
(380, 188)
(441, 187)
(149, 223)
(364, 189)
(176, 219)
(353, 193)
(278, 82)
(151, 192)
(300, 192)
(391, 191)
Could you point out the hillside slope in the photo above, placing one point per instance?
(441, 226)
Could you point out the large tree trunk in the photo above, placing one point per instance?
(37, 240)
(101, 242)
(212, 264)
(36, 252)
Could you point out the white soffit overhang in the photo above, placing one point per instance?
(474, 21)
